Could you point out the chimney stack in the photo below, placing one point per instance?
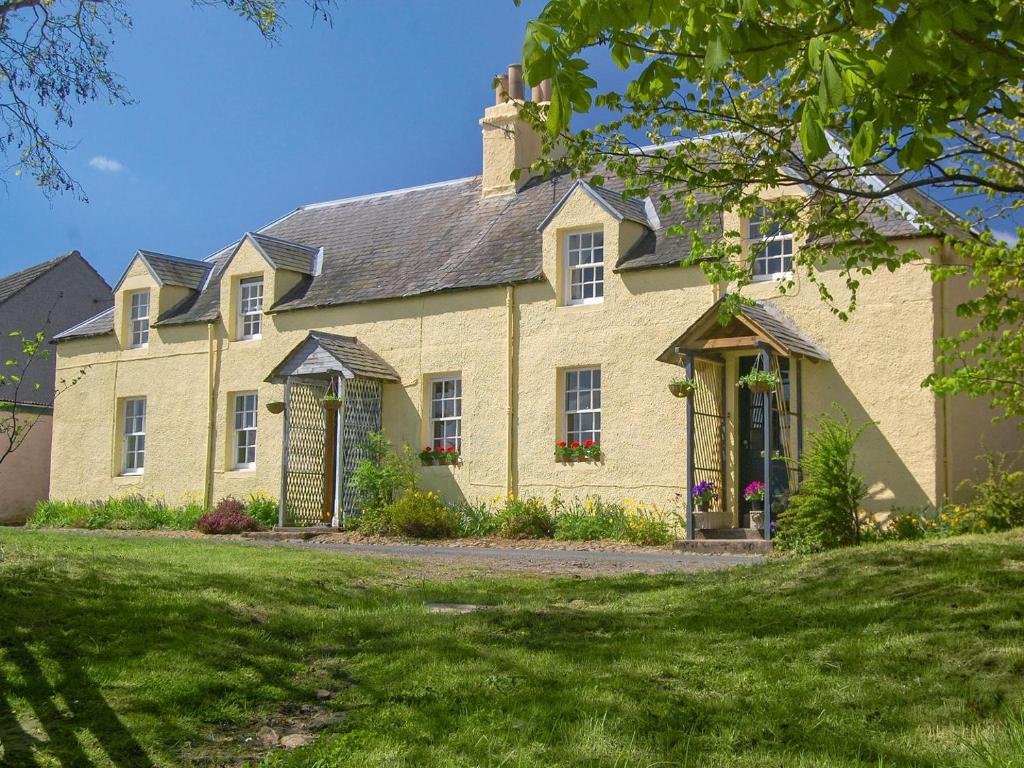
(510, 142)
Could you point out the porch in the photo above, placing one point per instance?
(736, 436)
(332, 402)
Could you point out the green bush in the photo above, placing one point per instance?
(476, 519)
(822, 513)
(526, 519)
(423, 516)
(134, 512)
(648, 531)
(998, 498)
(262, 508)
(382, 477)
(591, 520)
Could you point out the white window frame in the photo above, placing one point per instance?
(450, 412)
(574, 244)
(133, 436)
(138, 319)
(250, 308)
(571, 404)
(763, 241)
(244, 420)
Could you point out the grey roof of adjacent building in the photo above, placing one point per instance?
(97, 325)
(14, 284)
(174, 270)
(329, 353)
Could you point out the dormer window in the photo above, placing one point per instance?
(138, 320)
(771, 244)
(250, 308)
(584, 267)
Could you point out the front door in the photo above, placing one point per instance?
(751, 438)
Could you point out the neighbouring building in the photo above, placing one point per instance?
(499, 318)
(47, 298)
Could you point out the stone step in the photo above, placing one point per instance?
(723, 546)
(729, 533)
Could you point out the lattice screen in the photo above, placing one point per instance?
(707, 440)
(361, 417)
(304, 457)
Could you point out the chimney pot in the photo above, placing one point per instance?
(501, 90)
(537, 94)
(515, 82)
(545, 87)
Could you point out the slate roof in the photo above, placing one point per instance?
(286, 255)
(173, 270)
(13, 284)
(97, 325)
(344, 354)
(619, 207)
(441, 237)
(767, 319)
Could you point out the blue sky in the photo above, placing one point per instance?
(229, 132)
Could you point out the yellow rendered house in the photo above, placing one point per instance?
(499, 318)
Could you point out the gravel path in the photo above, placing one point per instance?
(496, 560)
(474, 556)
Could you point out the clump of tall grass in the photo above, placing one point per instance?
(132, 512)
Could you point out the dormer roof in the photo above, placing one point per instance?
(280, 254)
(618, 207)
(172, 270)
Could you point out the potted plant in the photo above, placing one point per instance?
(451, 455)
(427, 456)
(703, 493)
(681, 386)
(563, 452)
(332, 402)
(590, 451)
(754, 493)
(759, 381)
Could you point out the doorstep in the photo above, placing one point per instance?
(737, 546)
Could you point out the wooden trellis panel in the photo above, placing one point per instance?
(361, 416)
(707, 441)
(304, 452)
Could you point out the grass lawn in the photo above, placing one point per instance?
(138, 652)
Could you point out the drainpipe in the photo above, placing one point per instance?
(211, 411)
(510, 362)
(944, 401)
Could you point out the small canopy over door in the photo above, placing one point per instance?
(332, 403)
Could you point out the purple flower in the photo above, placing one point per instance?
(705, 489)
(754, 491)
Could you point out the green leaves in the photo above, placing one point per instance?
(812, 132)
(865, 142)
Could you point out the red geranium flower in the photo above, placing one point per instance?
(575, 444)
(561, 443)
(588, 443)
(451, 449)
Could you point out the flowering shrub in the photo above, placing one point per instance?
(227, 522)
(229, 505)
(422, 516)
(754, 491)
(526, 519)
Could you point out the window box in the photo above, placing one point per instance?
(450, 457)
(571, 453)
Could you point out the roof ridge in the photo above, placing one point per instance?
(386, 193)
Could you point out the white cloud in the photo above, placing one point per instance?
(106, 164)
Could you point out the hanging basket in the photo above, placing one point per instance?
(332, 405)
(681, 390)
(275, 407)
(760, 387)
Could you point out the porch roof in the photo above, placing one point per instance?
(328, 353)
(760, 323)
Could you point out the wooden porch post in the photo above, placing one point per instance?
(689, 452)
(330, 446)
(766, 359)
